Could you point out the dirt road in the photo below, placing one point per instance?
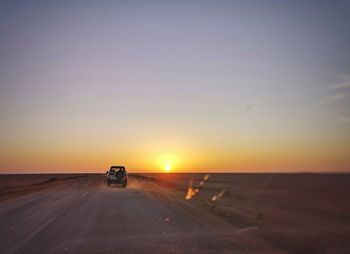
(83, 215)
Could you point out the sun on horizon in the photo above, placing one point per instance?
(167, 168)
(167, 162)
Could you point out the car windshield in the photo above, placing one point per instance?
(117, 169)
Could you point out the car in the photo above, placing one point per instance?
(117, 175)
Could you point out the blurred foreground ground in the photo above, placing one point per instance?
(229, 213)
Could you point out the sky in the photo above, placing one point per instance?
(186, 86)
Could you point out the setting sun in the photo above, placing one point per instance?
(167, 161)
(167, 168)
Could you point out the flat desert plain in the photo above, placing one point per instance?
(175, 213)
(297, 213)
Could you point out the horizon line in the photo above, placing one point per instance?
(188, 172)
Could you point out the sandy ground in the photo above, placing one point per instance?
(226, 213)
(81, 214)
(272, 213)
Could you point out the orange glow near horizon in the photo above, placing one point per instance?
(185, 152)
(182, 158)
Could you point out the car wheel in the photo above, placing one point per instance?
(125, 183)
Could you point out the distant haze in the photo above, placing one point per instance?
(194, 86)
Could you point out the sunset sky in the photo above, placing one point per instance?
(239, 86)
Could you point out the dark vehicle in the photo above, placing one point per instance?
(118, 175)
